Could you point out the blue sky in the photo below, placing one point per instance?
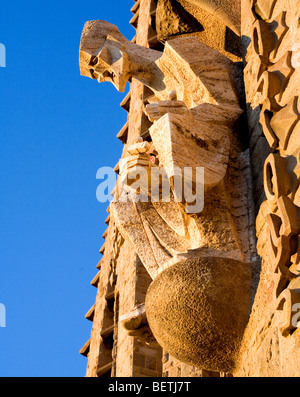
(57, 128)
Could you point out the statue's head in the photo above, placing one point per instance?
(103, 54)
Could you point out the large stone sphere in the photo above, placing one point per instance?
(198, 309)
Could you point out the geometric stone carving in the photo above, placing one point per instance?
(197, 125)
(135, 323)
(202, 257)
(284, 122)
(286, 303)
(283, 229)
(263, 40)
(187, 18)
(264, 8)
(275, 181)
(108, 56)
(272, 86)
(184, 141)
(171, 19)
(190, 102)
(227, 11)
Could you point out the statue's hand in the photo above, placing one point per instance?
(139, 147)
(137, 156)
(156, 110)
(134, 172)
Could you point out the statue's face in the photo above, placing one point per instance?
(104, 57)
(109, 64)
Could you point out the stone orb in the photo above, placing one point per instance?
(198, 309)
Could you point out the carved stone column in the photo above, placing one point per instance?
(271, 40)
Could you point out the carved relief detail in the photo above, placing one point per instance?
(271, 61)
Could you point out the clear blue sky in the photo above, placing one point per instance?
(57, 128)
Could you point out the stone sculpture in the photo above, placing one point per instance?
(227, 10)
(200, 261)
(272, 60)
(181, 290)
(215, 23)
(271, 40)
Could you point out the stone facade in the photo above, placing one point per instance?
(271, 39)
(184, 291)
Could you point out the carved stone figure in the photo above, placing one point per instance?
(200, 261)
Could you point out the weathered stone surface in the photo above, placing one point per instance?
(136, 324)
(269, 346)
(193, 122)
(216, 34)
(197, 310)
(210, 302)
(228, 11)
(195, 63)
(186, 141)
(172, 20)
